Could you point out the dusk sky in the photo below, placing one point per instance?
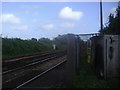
(49, 19)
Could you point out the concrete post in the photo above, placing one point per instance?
(77, 55)
(70, 64)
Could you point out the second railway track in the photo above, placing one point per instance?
(16, 64)
(14, 77)
(33, 63)
(39, 75)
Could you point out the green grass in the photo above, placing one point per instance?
(88, 78)
(12, 47)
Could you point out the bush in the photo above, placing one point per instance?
(16, 47)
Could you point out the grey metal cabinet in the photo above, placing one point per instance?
(106, 56)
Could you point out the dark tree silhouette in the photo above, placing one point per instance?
(113, 26)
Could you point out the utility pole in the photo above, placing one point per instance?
(101, 17)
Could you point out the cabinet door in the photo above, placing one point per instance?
(112, 56)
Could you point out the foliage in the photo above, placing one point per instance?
(45, 40)
(61, 41)
(113, 26)
(16, 47)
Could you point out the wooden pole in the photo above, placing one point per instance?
(101, 17)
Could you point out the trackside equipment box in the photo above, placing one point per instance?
(105, 55)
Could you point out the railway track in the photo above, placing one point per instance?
(34, 63)
(19, 63)
(30, 70)
(39, 75)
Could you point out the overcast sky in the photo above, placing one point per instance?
(48, 19)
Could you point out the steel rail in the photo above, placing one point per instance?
(30, 56)
(8, 71)
(39, 75)
(25, 57)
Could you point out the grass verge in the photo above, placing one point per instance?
(88, 79)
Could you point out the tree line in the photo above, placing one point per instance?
(113, 25)
(12, 47)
